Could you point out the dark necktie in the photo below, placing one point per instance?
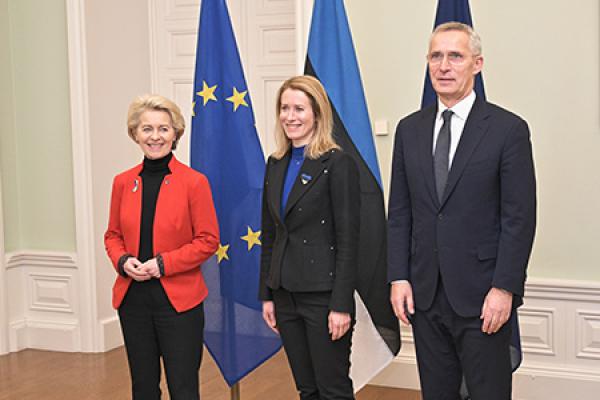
(441, 155)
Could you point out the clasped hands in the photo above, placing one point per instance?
(141, 271)
(496, 309)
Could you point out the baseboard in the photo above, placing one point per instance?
(60, 336)
(533, 383)
(530, 383)
(401, 373)
(44, 335)
(111, 333)
(560, 331)
(17, 336)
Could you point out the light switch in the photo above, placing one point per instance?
(381, 127)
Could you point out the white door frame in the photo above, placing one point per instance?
(82, 177)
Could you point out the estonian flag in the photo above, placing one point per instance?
(332, 60)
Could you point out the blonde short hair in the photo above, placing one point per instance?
(154, 102)
(474, 38)
(322, 139)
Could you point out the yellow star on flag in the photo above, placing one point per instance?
(207, 93)
(238, 99)
(222, 252)
(252, 238)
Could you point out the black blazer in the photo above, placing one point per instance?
(313, 247)
(482, 232)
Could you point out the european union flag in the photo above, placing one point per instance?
(332, 60)
(459, 11)
(225, 147)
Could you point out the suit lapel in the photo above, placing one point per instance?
(308, 174)
(475, 128)
(276, 177)
(425, 138)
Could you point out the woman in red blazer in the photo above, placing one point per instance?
(162, 227)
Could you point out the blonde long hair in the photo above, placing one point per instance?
(322, 139)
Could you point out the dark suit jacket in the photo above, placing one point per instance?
(481, 234)
(313, 247)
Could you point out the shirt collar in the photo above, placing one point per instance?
(460, 109)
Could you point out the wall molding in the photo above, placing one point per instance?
(37, 258)
(562, 289)
(45, 311)
(560, 331)
(51, 292)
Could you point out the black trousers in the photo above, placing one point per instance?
(320, 366)
(153, 328)
(448, 345)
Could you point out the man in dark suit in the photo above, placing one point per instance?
(461, 225)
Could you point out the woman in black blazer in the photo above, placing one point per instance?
(310, 225)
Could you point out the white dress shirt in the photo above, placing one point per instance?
(461, 111)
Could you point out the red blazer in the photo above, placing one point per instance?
(186, 232)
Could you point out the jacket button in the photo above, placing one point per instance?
(299, 209)
(304, 241)
(325, 171)
(322, 222)
(331, 274)
(440, 216)
(331, 248)
(312, 261)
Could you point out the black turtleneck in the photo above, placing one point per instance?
(152, 176)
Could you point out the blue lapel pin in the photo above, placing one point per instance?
(305, 178)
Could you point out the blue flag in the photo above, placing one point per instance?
(225, 147)
(332, 60)
(459, 11)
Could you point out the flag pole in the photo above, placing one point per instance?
(235, 391)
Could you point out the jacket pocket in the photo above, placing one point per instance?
(487, 251)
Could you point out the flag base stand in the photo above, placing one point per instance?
(235, 391)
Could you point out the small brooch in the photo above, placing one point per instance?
(135, 186)
(305, 178)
